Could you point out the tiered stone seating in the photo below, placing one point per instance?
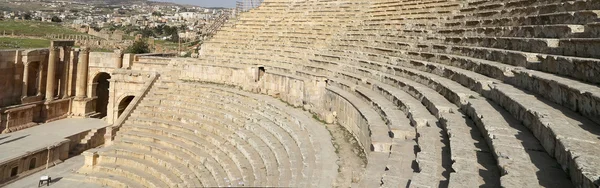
(438, 93)
(169, 142)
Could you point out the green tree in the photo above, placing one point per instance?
(138, 47)
(174, 37)
(56, 19)
(27, 16)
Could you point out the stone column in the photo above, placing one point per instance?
(82, 71)
(65, 72)
(118, 59)
(72, 59)
(41, 75)
(51, 79)
(25, 80)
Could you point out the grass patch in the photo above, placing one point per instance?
(314, 116)
(34, 28)
(17, 43)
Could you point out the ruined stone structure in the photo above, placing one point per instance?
(80, 86)
(435, 93)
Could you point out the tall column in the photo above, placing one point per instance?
(65, 72)
(25, 80)
(41, 71)
(82, 72)
(51, 78)
(118, 59)
(72, 59)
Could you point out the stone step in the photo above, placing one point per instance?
(232, 164)
(105, 179)
(397, 122)
(381, 142)
(239, 144)
(157, 171)
(181, 159)
(215, 168)
(289, 144)
(176, 167)
(399, 168)
(136, 175)
(454, 88)
(375, 170)
(465, 138)
(514, 101)
(298, 133)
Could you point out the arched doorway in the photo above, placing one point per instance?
(101, 85)
(124, 103)
(32, 164)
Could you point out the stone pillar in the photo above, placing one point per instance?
(70, 82)
(82, 73)
(118, 59)
(25, 80)
(41, 75)
(51, 79)
(65, 72)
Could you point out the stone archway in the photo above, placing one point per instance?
(100, 85)
(123, 104)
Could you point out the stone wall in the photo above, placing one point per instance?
(56, 155)
(11, 76)
(24, 78)
(61, 151)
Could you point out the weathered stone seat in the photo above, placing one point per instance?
(529, 31)
(159, 172)
(106, 179)
(379, 143)
(451, 89)
(186, 157)
(137, 175)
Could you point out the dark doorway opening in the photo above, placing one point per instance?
(102, 84)
(261, 72)
(124, 103)
(32, 164)
(14, 171)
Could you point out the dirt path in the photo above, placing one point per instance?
(352, 160)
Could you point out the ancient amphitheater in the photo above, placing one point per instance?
(345, 93)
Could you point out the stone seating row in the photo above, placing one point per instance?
(479, 78)
(565, 47)
(454, 129)
(429, 163)
(169, 132)
(456, 126)
(505, 72)
(570, 17)
(467, 175)
(534, 8)
(527, 31)
(214, 115)
(548, 136)
(326, 172)
(575, 67)
(104, 179)
(457, 95)
(297, 134)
